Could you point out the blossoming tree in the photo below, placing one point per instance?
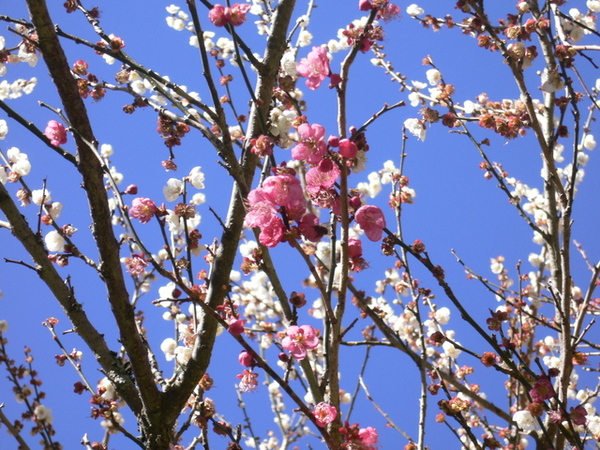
(279, 290)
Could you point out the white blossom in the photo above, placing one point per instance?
(589, 142)
(54, 241)
(551, 81)
(3, 129)
(524, 420)
(304, 38)
(41, 195)
(414, 10)
(3, 324)
(168, 347)
(43, 414)
(593, 5)
(416, 127)
(196, 177)
(173, 189)
(106, 150)
(442, 316)
(434, 76)
(198, 199)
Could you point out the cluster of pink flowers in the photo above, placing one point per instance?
(315, 68)
(280, 194)
(221, 15)
(56, 132)
(299, 340)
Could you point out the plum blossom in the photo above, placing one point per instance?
(416, 127)
(348, 149)
(221, 15)
(322, 176)
(324, 414)
(371, 220)
(54, 241)
(369, 436)
(43, 414)
(282, 190)
(312, 147)
(315, 67)
(414, 10)
(525, 420)
(143, 209)
(3, 129)
(542, 390)
(173, 189)
(56, 132)
(248, 381)
(196, 177)
(299, 340)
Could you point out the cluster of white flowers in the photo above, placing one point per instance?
(177, 18)
(373, 187)
(17, 88)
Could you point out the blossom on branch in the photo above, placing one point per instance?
(143, 209)
(221, 15)
(315, 67)
(324, 414)
(299, 340)
(56, 132)
(371, 220)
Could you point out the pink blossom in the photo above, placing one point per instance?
(354, 248)
(236, 326)
(299, 340)
(272, 233)
(246, 359)
(315, 67)
(261, 210)
(389, 12)
(312, 147)
(248, 381)
(365, 5)
(217, 15)
(55, 131)
(136, 264)
(221, 15)
(282, 189)
(238, 13)
(371, 220)
(578, 415)
(310, 228)
(348, 149)
(542, 390)
(322, 176)
(143, 209)
(324, 414)
(368, 436)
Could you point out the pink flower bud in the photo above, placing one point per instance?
(246, 359)
(365, 5)
(236, 327)
(348, 149)
(56, 132)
